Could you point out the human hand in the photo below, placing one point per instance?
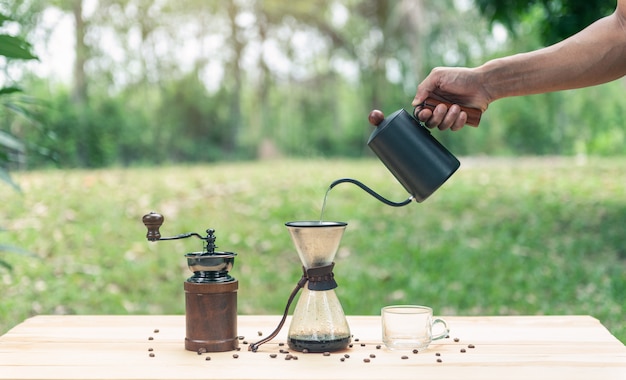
(451, 86)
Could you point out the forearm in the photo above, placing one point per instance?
(593, 56)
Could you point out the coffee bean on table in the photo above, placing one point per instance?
(462, 349)
(273, 356)
(404, 357)
(366, 360)
(207, 358)
(471, 346)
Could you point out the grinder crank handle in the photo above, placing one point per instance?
(473, 114)
(153, 222)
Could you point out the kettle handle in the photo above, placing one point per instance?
(473, 114)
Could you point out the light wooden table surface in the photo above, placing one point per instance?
(118, 347)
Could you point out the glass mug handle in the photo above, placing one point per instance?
(444, 333)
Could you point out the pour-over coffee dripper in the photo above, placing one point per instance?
(318, 323)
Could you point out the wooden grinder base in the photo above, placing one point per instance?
(211, 316)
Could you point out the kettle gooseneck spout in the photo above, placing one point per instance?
(371, 192)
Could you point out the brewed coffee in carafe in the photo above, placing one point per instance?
(318, 323)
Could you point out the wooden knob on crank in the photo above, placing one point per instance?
(153, 222)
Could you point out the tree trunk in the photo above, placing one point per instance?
(79, 90)
(235, 105)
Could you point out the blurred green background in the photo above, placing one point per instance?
(502, 237)
(237, 114)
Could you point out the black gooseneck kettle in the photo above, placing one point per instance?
(411, 153)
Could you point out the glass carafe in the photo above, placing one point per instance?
(318, 323)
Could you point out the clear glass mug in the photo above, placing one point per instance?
(408, 327)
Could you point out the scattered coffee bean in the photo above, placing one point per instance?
(342, 359)
(152, 354)
(404, 357)
(372, 356)
(326, 353)
(456, 340)
(201, 350)
(281, 344)
(150, 338)
(259, 333)
(439, 360)
(245, 342)
(283, 351)
(415, 351)
(362, 344)
(356, 340)
(207, 358)
(378, 346)
(447, 336)
(351, 345)
(346, 356)
(366, 360)
(150, 349)
(156, 331)
(235, 356)
(471, 346)
(437, 354)
(294, 357)
(462, 349)
(240, 337)
(288, 357)
(273, 356)
(238, 348)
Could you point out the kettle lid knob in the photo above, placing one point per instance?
(376, 117)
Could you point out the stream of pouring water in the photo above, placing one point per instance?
(324, 204)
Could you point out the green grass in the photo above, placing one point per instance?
(502, 237)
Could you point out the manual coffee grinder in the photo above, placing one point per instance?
(318, 323)
(210, 294)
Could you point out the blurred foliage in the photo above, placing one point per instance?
(559, 18)
(13, 106)
(198, 81)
